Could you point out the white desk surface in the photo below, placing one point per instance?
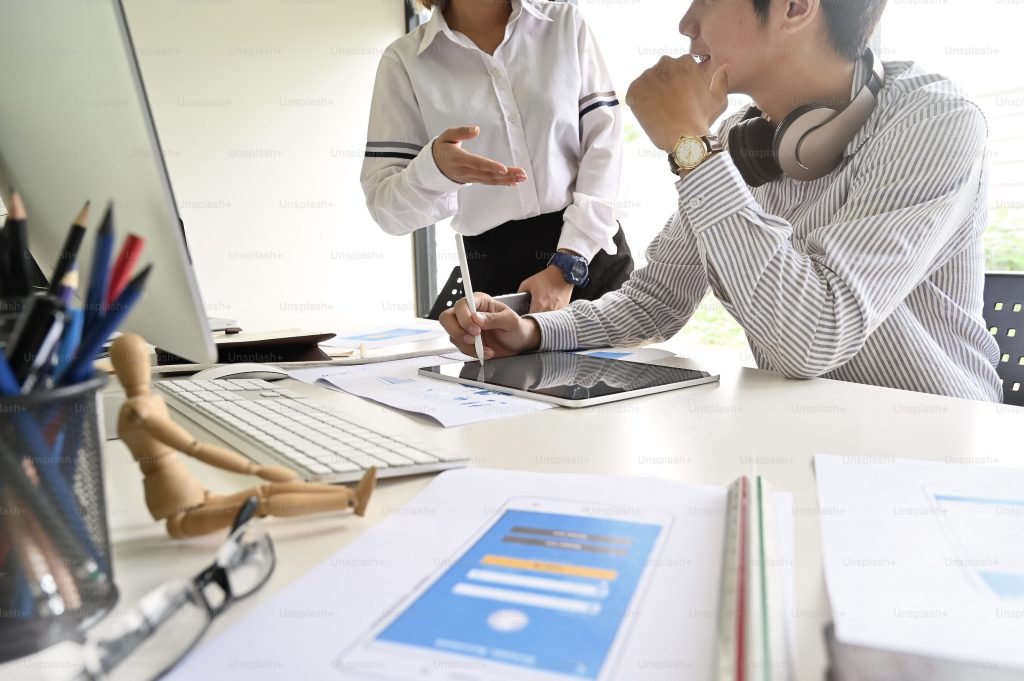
(752, 420)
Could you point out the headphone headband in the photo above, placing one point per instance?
(810, 141)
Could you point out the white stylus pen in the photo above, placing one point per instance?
(467, 286)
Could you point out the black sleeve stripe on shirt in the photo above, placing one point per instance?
(598, 105)
(389, 154)
(394, 145)
(604, 95)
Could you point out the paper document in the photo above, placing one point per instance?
(397, 384)
(592, 577)
(923, 557)
(387, 336)
(450, 404)
(322, 375)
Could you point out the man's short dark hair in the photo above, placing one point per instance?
(850, 22)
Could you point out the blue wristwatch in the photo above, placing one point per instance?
(574, 268)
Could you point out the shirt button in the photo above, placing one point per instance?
(512, 118)
(695, 203)
(495, 73)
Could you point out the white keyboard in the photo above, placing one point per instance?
(279, 426)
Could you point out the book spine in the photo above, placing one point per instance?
(733, 599)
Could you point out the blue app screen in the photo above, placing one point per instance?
(544, 591)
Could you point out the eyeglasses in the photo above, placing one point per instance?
(168, 622)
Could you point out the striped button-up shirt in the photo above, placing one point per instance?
(544, 102)
(871, 274)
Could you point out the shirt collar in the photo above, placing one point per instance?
(437, 24)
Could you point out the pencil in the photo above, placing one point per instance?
(74, 320)
(96, 295)
(57, 508)
(65, 581)
(8, 381)
(80, 368)
(68, 287)
(69, 251)
(33, 561)
(124, 266)
(17, 235)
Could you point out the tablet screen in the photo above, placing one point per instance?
(569, 375)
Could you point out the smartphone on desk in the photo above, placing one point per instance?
(541, 593)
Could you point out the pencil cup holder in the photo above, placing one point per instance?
(55, 566)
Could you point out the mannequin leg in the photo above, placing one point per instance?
(283, 499)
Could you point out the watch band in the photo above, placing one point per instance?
(712, 145)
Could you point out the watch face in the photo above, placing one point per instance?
(579, 270)
(689, 152)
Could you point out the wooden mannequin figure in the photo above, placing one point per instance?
(174, 493)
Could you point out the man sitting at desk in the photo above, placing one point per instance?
(859, 259)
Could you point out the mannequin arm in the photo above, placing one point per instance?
(173, 435)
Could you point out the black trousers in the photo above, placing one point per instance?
(501, 258)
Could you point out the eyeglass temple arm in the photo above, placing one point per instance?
(153, 610)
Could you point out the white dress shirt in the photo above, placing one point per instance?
(871, 274)
(544, 102)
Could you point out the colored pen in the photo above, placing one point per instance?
(96, 296)
(80, 368)
(124, 266)
(17, 239)
(74, 321)
(467, 286)
(8, 383)
(69, 251)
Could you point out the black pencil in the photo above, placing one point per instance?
(69, 252)
(17, 236)
(5, 262)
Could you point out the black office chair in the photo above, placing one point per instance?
(1004, 316)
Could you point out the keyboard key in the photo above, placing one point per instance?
(284, 392)
(392, 458)
(364, 461)
(415, 454)
(340, 465)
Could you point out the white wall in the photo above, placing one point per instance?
(261, 106)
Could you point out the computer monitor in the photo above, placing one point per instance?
(75, 124)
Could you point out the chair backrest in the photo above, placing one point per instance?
(1004, 316)
(450, 294)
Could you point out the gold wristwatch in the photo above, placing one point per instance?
(689, 152)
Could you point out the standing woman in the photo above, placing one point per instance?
(502, 114)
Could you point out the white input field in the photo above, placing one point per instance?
(586, 589)
(491, 593)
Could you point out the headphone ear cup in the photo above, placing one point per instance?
(752, 147)
(797, 162)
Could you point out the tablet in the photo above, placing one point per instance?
(569, 379)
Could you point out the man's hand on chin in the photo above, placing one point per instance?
(673, 99)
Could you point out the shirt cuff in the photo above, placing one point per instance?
(424, 173)
(712, 192)
(557, 330)
(575, 239)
